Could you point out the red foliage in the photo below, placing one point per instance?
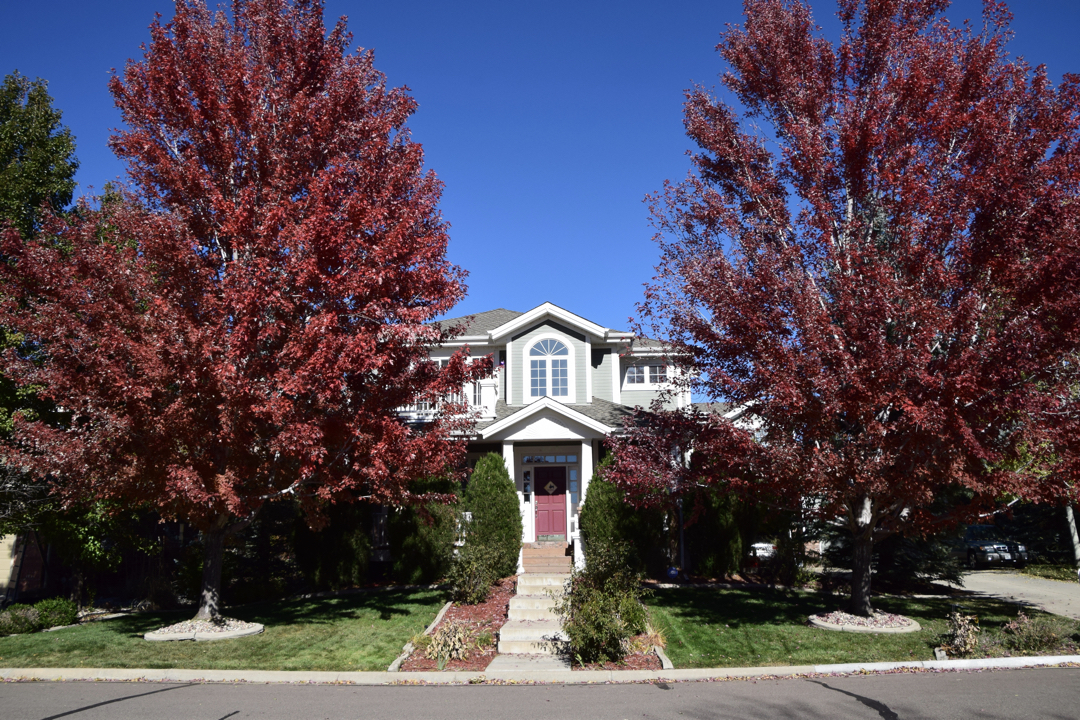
(890, 293)
(244, 324)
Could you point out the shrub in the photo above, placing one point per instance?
(450, 641)
(56, 611)
(496, 515)
(1031, 635)
(601, 608)
(607, 520)
(338, 555)
(422, 537)
(713, 542)
(963, 636)
(19, 619)
(473, 573)
(899, 561)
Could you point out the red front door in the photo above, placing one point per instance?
(550, 494)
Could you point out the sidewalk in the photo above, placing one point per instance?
(563, 677)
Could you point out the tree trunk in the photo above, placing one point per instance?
(863, 546)
(213, 555)
(1071, 518)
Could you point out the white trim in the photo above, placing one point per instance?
(588, 370)
(616, 376)
(509, 374)
(527, 397)
(538, 312)
(542, 404)
(648, 385)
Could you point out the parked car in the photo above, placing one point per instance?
(982, 546)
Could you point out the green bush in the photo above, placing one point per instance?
(496, 516)
(338, 555)
(608, 520)
(422, 538)
(714, 546)
(473, 573)
(19, 619)
(602, 607)
(56, 611)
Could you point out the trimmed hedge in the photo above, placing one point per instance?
(20, 619)
(607, 520)
(492, 499)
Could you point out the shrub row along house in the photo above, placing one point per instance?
(562, 384)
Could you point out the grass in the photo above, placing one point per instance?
(1067, 573)
(365, 631)
(740, 628)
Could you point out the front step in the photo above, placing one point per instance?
(541, 637)
(540, 580)
(531, 602)
(547, 569)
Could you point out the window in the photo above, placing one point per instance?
(635, 375)
(657, 374)
(476, 394)
(553, 352)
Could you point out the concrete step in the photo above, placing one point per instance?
(533, 580)
(532, 614)
(544, 552)
(542, 637)
(532, 602)
(547, 569)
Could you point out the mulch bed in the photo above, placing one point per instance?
(486, 617)
(644, 660)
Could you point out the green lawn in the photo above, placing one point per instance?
(739, 628)
(354, 632)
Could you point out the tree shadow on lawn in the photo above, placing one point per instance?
(775, 607)
(388, 604)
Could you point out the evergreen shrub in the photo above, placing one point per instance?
(492, 499)
(19, 619)
(422, 537)
(714, 545)
(338, 555)
(608, 520)
(56, 611)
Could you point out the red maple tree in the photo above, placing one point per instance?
(244, 323)
(884, 283)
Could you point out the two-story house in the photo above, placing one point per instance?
(562, 384)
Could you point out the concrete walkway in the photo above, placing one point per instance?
(1053, 596)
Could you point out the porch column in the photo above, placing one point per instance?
(586, 476)
(511, 466)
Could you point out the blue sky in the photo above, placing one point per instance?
(548, 122)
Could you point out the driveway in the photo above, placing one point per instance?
(1054, 596)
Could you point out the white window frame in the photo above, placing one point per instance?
(648, 385)
(571, 374)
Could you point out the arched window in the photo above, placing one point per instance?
(549, 355)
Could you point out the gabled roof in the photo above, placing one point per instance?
(481, 323)
(522, 413)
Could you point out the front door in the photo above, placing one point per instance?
(550, 494)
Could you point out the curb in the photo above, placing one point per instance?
(563, 677)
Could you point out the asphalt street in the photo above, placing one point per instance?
(1037, 693)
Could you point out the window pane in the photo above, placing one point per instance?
(538, 378)
(573, 485)
(657, 374)
(551, 458)
(572, 458)
(560, 458)
(559, 383)
(635, 375)
(573, 477)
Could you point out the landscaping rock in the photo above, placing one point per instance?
(203, 630)
(880, 622)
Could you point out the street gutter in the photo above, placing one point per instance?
(561, 677)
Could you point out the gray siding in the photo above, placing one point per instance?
(521, 365)
(602, 362)
(642, 397)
